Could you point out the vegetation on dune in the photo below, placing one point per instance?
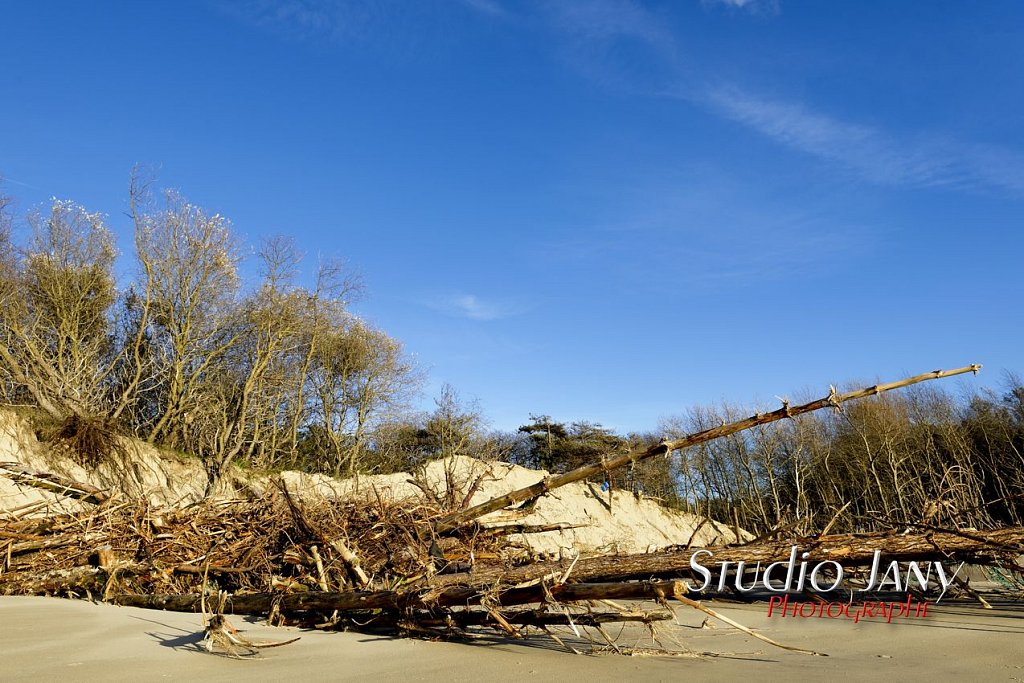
(278, 373)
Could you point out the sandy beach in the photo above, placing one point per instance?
(52, 639)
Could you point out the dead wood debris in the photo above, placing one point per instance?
(412, 569)
(382, 567)
(220, 634)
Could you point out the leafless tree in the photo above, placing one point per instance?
(57, 295)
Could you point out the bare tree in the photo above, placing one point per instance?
(189, 261)
(55, 312)
(270, 330)
(11, 375)
(324, 308)
(359, 376)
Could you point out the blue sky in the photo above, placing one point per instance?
(602, 209)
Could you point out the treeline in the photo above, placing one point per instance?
(170, 345)
(185, 354)
(922, 455)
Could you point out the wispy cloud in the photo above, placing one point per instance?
(770, 6)
(604, 39)
(296, 18)
(710, 230)
(394, 25)
(876, 155)
(872, 153)
(385, 23)
(471, 307)
(606, 20)
(491, 7)
(6, 179)
(624, 44)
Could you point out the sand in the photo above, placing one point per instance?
(600, 522)
(52, 639)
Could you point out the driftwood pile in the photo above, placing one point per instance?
(329, 565)
(413, 569)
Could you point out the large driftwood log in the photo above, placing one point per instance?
(84, 579)
(848, 549)
(835, 399)
(534, 618)
(54, 483)
(20, 581)
(43, 543)
(453, 596)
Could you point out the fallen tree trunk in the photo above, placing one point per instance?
(54, 483)
(533, 618)
(83, 580)
(18, 580)
(54, 542)
(454, 596)
(848, 549)
(834, 399)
